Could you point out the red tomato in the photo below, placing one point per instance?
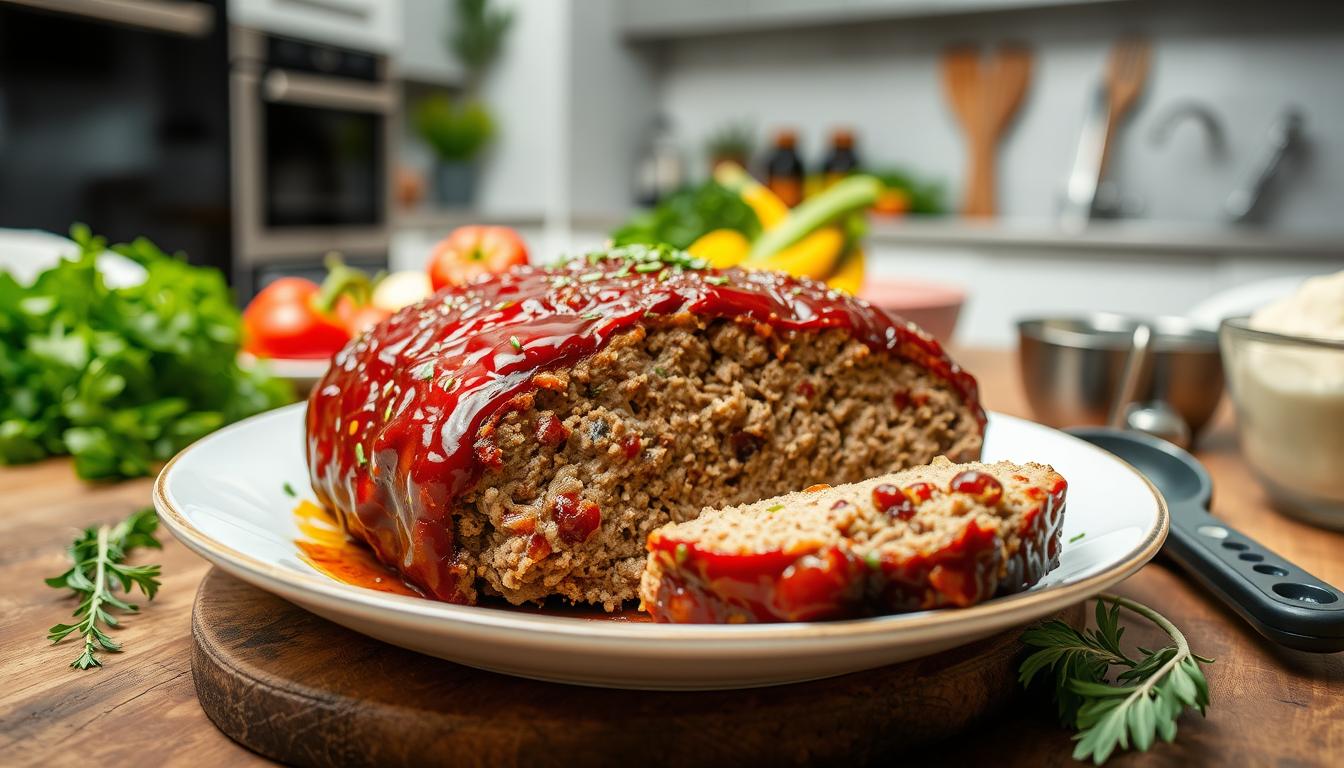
(359, 318)
(470, 252)
(284, 321)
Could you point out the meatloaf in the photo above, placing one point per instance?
(522, 436)
(940, 535)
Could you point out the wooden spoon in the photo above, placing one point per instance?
(1126, 72)
(984, 100)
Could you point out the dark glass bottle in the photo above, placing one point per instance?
(842, 160)
(783, 169)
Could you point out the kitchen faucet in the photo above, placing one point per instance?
(1284, 138)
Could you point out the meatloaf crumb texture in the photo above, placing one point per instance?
(940, 535)
(664, 422)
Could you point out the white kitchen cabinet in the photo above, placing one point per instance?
(424, 55)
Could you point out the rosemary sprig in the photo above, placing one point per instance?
(1147, 695)
(99, 567)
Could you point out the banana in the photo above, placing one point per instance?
(770, 210)
(848, 275)
(814, 256)
(721, 248)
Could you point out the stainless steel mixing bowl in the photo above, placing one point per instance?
(1071, 367)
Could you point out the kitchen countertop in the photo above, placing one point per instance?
(1045, 235)
(1269, 705)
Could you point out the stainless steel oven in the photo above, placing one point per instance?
(312, 133)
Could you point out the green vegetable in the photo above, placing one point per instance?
(847, 196)
(121, 379)
(99, 556)
(1148, 693)
(683, 217)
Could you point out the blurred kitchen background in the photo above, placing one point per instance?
(1044, 157)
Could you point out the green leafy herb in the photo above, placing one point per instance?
(683, 217)
(1147, 695)
(515, 343)
(774, 507)
(99, 556)
(423, 371)
(121, 378)
(1079, 537)
(873, 559)
(360, 458)
(289, 490)
(716, 280)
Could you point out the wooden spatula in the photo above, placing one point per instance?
(1126, 72)
(984, 100)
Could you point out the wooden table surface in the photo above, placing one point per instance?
(1269, 705)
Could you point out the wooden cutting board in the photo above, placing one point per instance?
(304, 691)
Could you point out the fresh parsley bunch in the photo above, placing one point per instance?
(1148, 693)
(99, 567)
(120, 378)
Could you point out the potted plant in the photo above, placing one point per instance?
(731, 143)
(457, 130)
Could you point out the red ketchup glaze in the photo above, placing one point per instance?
(893, 501)
(979, 484)
(418, 396)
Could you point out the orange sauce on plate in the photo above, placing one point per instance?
(324, 546)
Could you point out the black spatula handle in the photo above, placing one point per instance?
(1281, 600)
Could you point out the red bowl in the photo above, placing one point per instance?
(932, 306)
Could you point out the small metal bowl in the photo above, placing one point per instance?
(1071, 367)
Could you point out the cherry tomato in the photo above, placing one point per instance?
(469, 252)
(284, 320)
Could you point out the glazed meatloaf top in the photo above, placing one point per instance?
(406, 421)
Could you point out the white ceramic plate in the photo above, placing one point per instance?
(224, 498)
(302, 373)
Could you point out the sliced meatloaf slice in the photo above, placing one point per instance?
(939, 535)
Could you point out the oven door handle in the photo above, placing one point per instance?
(193, 19)
(285, 87)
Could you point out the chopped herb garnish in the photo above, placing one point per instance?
(662, 276)
(289, 490)
(387, 386)
(661, 371)
(591, 315)
(649, 266)
(589, 277)
(716, 280)
(423, 371)
(515, 343)
(446, 383)
(359, 455)
(622, 272)
(774, 507)
(873, 559)
(682, 552)
(1078, 537)
(387, 412)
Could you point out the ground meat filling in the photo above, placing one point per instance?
(668, 420)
